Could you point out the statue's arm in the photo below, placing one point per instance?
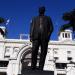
(50, 26)
(31, 29)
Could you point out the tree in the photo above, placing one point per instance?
(70, 17)
(2, 20)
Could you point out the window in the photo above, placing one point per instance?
(69, 58)
(7, 49)
(61, 65)
(56, 58)
(16, 49)
(69, 52)
(68, 35)
(65, 35)
(55, 52)
(7, 52)
(4, 63)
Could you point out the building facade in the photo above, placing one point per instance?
(15, 54)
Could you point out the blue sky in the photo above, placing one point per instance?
(20, 13)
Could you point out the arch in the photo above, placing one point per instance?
(26, 60)
(22, 51)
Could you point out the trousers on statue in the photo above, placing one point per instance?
(35, 48)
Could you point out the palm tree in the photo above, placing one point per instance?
(70, 17)
(2, 20)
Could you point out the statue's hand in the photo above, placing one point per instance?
(48, 33)
(30, 40)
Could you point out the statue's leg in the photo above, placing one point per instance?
(44, 46)
(35, 47)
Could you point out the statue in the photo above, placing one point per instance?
(40, 32)
(70, 17)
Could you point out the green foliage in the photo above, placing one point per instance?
(2, 20)
(70, 17)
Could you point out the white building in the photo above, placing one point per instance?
(15, 54)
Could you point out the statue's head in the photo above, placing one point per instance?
(41, 10)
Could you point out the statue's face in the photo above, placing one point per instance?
(41, 10)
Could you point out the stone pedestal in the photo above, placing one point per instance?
(37, 72)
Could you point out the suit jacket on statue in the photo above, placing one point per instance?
(43, 22)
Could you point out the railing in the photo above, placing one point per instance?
(24, 36)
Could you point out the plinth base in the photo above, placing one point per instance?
(37, 72)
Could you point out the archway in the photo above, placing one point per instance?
(24, 58)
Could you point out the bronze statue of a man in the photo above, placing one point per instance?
(40, 32)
